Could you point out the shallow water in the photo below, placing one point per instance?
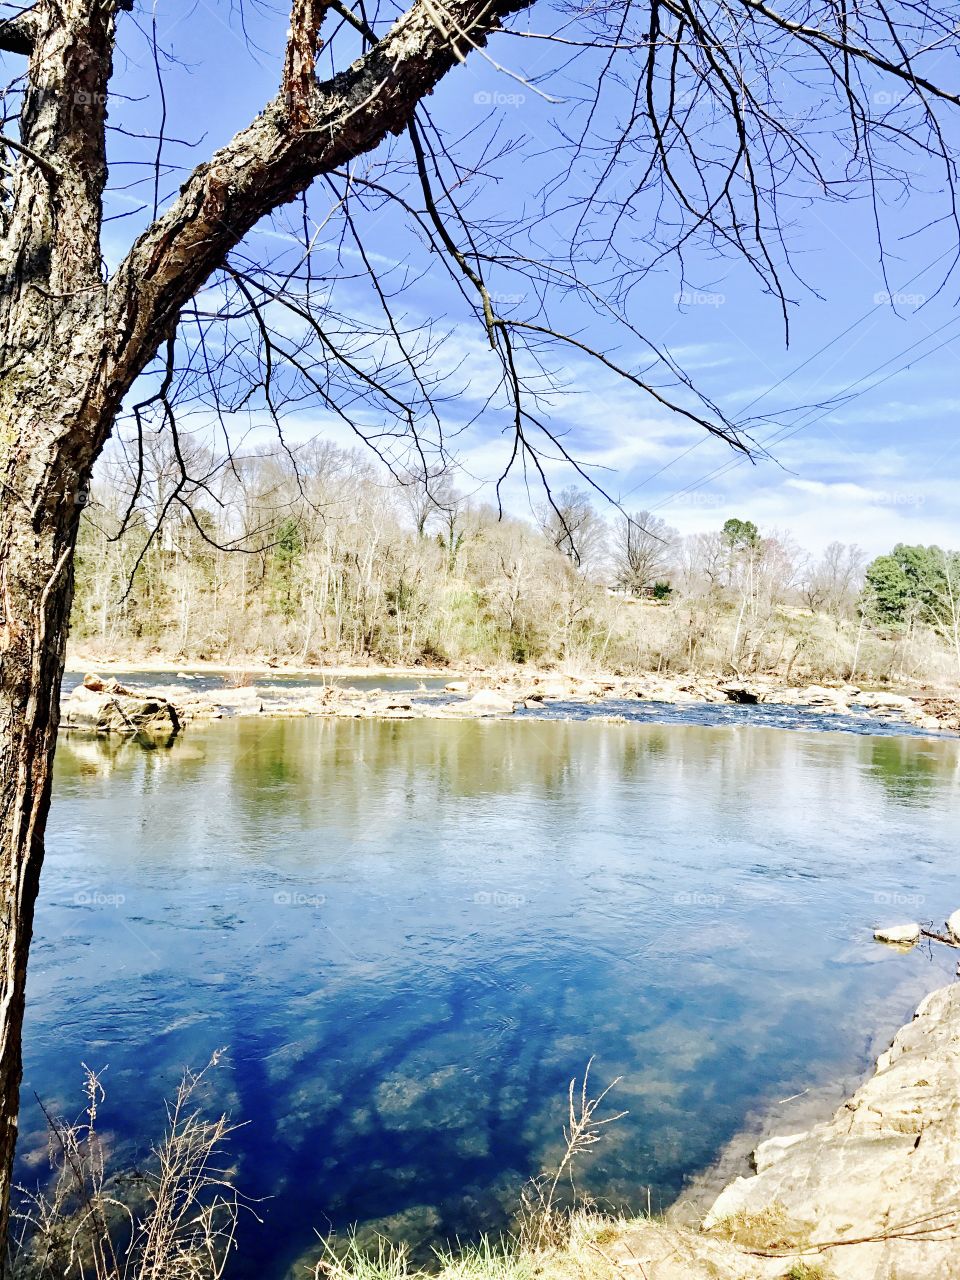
(278, 682)
(412, 934)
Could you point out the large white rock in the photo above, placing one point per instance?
(902, 934)
(487, 702)
(953, 926)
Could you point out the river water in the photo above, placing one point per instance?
(410, 935)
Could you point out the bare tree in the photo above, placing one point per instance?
(571, 523)
(643, 550)
(194, 316)
(427, 494)
(833, 583)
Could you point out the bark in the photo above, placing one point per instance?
(38, 519)
(73, 343)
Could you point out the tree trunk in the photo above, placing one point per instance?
(43, 492)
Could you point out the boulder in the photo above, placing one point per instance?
(110, 711)
(457, 686)
(815, 695)
(243, 702)
(899, 934)
(740, 693)
(953, 926)
(487, 702)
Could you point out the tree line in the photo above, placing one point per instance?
(322, 555)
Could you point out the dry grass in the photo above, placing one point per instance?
(546, 1214)
(175, 1221)
(767, 1229)
(579, 1257)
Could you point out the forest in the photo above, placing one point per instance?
(321, 555)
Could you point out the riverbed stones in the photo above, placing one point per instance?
(537, 691)
(903, 935)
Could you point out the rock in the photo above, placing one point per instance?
(815, 695)
(93, 682)
(885, 701)
(396, 708)
(889, 1155)
(740, 693)
(953, 926)
(559, 689)
(900, 934)
(457, 686)
(828, 1202)
(124, 713)
(487, 702)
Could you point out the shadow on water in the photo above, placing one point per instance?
(411, 935)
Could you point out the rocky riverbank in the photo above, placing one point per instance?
(871, 1194)
(103, 705)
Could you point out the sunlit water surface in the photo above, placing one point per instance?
(411, 935)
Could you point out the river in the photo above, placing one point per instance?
(410, 935)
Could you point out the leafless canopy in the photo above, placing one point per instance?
(662, 137)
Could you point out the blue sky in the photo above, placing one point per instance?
(879, 466)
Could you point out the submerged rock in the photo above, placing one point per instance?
(901, 934)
